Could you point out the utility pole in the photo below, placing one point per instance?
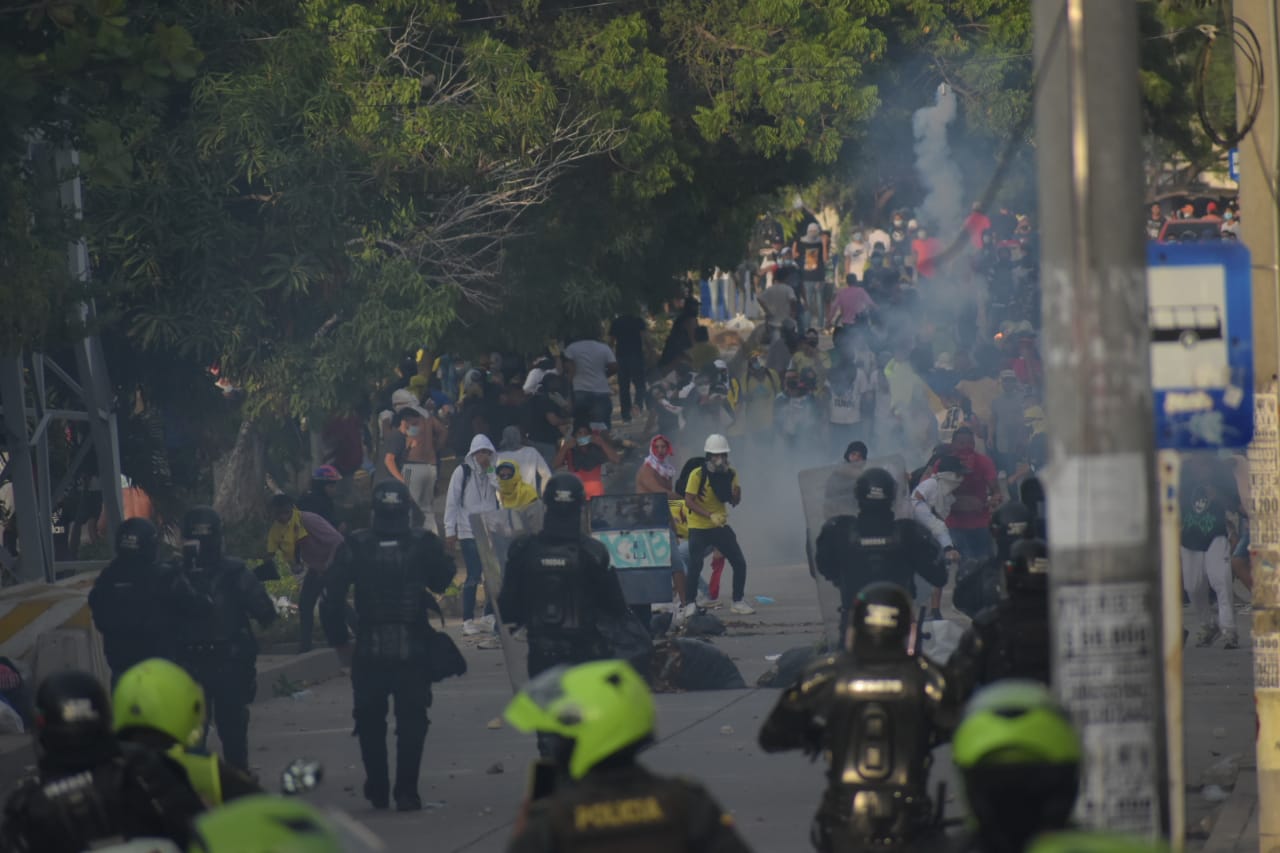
(1106, 627)
(1259, 158)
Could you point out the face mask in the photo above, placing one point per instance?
(949, 480)
(583, 440)
(412, 431)
(1229, 216)
(757, 364)
(857, 238)
(717, 464)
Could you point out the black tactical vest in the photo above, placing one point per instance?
(557, 597)
(390, 596)
(874, 557)
(879, 737)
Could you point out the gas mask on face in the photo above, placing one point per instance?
(717, 464)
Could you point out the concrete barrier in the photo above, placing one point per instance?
(48, 627)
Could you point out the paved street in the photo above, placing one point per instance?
(708, 736)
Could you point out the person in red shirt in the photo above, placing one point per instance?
(926, 248)
(970, 518)
(977, 224)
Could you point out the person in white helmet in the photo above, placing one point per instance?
(709, 493)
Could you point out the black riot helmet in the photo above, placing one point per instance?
(73, 720)
(1027, 569)
(203, 524)
(881, 621)
(1009, 524)
(564, 498)
(392, 507)
(136, 542)
(875, 492)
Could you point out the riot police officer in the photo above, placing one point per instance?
(978, 584)
(594, 795)
(558, 584)
(89, 788)
(1011, 638)
(157, 705)
(123, 599)
(216, 596)
(879, 736)
(393, 568)
(853, 551)
(1019, 762)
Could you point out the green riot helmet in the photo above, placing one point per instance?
(1019, 760)
(392, 508)
(265, 824)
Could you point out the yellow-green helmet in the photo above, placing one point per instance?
(265, 824)
(602, 707)
(1095, 842)
(1019, 759)
(158, 694)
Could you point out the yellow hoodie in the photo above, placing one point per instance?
(515, 493)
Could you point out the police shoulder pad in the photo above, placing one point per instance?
(594, 550)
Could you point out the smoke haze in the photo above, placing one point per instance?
(942, 210)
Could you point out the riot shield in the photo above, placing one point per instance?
(494, 531)
(826, 493)
(637, 531)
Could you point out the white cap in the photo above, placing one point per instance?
(403, 397)
(716, 443)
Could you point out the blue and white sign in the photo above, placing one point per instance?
(1200, 300)
(1233, 164)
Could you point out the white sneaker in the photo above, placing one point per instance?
(742, 608)
(489, 620)
(470, 628)
(688, 610)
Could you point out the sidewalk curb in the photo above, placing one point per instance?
(308, 668)
(1236, 828)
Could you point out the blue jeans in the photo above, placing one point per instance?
(973, 544)
(475, 575)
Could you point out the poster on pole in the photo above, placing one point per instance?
(1106, 659)
(1264, 475)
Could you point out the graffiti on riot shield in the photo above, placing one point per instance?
(637, 531)
(494, 532)
(826, 493)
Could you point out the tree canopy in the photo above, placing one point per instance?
(296, 192)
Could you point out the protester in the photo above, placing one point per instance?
(471, 490)
(970, 517)
(711, 490)
(628, 333)
(320, 499)
(584, 454)
(589, 363)
(306, 544)
(513, 491)
(411, 456)
(533, 468)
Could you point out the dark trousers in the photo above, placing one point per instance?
(630, 374)
(228, 690)
(308, 597)
(475, 577)
(372, 683)
(722, 539)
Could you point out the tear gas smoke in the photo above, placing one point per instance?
(943, 207)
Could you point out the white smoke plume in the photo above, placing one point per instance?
(943, 208)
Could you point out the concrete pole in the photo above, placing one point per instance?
(1259, 162)
(1101, 504)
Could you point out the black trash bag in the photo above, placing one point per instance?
(786, 669)
(977, 587)
(660, 624)
(681, 664)
(704, 625)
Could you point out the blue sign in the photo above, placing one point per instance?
(1200, 303)
(1233, 164)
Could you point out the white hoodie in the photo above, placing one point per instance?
(480, 495)
(931, 504)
